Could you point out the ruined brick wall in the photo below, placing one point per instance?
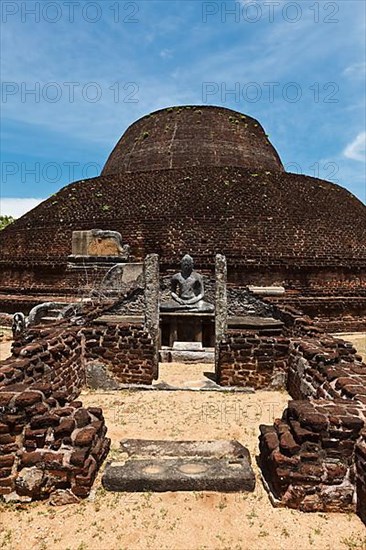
(48, 440)
(127, 351)
(360, 458)
(51, 355)
(248, 359)
(326, 368)
(314, 458)
(307, 458)
(327, 312)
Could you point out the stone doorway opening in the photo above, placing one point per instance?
(187, 349)
(187, 327)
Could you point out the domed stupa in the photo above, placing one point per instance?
(183, 137)
(200, 180)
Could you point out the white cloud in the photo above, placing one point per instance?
(356, 70)
(17, 207)
(166, 54)
(357, 149)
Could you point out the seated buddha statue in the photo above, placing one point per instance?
(187, 290)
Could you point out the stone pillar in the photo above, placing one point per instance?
(221, 303)
(152, 290)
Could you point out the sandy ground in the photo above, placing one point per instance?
(182, 521)
(5, 343)
(183, 375)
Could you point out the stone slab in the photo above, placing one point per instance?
(123, 276)
(119, 319)
(80, 260)
(267, 290)
(173, 356)
(186, 314)
(159, 448)
(187, 346)
(254, 322)
(180, 466)
(208, 386)
(98, 377)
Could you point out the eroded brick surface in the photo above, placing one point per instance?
(307, 457)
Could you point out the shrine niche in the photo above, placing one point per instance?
(97, 242)
(187, 317)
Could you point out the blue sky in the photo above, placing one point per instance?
(95, 67)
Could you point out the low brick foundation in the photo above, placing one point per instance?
(307, 458)
(327, 368)
(360, 458)
(330, 311)
(126, 350)
(48, 441)
(248, 359)
(314, 459)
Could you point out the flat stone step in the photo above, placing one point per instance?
(175, 356)
(254, 322)
(267, 290)
(222, 466)
(187, 346)
(47, 320)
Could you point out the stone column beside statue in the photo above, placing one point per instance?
(152, 290)
(221, 303)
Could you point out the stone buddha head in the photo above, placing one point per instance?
(187, 265)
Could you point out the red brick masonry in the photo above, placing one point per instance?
(307, 458)
(314, 458)
(48, 440)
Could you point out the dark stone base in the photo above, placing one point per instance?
(181, 466)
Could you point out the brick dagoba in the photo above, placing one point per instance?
(202, 180)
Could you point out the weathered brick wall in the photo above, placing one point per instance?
(307, 457)
(328, 368)
(233, 211)
(360, 458)
(48, 442)
(52, 355)
(48, 278)
(342, 324)
(47, 439)
(127, 350)
(327, 312)
(310, 458)
(248, 359)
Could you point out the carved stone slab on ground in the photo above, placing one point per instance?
(180, 466)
